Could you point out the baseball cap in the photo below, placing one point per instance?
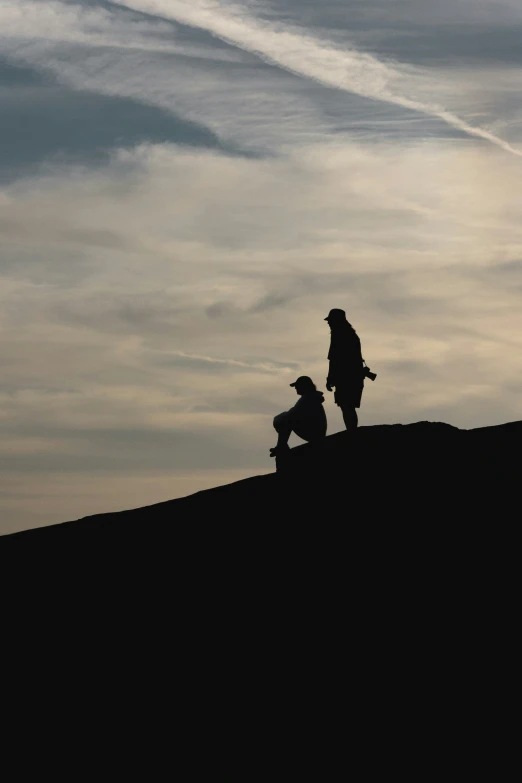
(335, 313)
(303, 380)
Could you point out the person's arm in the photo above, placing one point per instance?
(330, 381)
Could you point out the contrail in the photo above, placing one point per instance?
(346, 69)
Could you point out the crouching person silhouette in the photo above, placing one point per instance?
(307, 418)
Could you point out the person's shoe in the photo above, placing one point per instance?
(278, 450)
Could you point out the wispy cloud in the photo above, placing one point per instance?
(303, 54)
(118, 52)
(32, 20)
(234, 364)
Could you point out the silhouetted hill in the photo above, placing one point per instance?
(426, 473)
(377, 572)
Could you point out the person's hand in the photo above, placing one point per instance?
(328, 387)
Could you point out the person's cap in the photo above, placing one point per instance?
(335, 313)
(303, 380)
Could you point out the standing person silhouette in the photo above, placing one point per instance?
(345, 372)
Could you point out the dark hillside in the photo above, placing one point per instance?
(429, 474)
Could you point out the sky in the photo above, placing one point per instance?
(188, 186)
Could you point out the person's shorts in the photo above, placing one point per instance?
(309, 433)
(349, 396)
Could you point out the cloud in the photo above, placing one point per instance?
(191, 84)
(211, 363)
(410, 241)
(271, 301)
(80, 127)
(252, 101)
(60, 21)
(337, 202)
(304, 54)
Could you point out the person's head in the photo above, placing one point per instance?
(303, 385)
(335, 317)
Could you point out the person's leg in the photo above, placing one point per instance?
(283, 435)
(284, 430)
(351, 420)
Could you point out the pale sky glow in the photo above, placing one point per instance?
(186, 189)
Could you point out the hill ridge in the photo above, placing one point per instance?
(379, 458)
